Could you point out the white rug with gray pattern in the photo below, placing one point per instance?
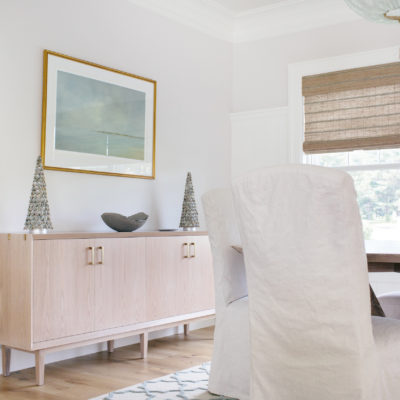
(190, 384)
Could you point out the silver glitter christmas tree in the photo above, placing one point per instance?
(189, 216)
(38, 218)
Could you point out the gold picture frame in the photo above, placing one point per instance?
(96, 119)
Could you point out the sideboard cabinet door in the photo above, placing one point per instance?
(120, 282)
(198, 293)
(179, 276)
(63, 288)
(164, 279)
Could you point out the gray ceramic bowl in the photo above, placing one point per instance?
(120, 223)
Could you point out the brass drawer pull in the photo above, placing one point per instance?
(186, 254)
(192, 245)
(91, 249)
(101, 248)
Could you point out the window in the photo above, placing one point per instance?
(376, 175)
(352, 122)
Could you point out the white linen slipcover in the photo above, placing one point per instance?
(230, 367)
(310, 324)
(390, 303)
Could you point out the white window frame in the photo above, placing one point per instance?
(307, 159)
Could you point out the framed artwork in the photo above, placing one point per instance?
(96, 119)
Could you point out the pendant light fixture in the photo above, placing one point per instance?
(387, 11)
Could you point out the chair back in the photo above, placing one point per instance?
(310, 324)
(229, 270)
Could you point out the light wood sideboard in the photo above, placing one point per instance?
(64, 290)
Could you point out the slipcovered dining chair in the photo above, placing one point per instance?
(230, 367)
(390, 303)
(311, 333)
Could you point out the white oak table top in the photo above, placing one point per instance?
(383, 251)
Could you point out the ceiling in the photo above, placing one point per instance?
(239, 6)
(246, 20)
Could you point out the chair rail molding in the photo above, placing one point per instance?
(295, 98)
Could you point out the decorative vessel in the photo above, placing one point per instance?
(121, 223)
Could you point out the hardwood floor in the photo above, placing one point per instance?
(95, 374)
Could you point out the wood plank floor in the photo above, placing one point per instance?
(95, 374)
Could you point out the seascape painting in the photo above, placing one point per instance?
(97, 117)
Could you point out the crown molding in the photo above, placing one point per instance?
(267, 8)
(207, 16)
(285, 17)
(290, 17)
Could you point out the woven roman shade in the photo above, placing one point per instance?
(352, 109)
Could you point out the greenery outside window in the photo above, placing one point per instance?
(376, 175)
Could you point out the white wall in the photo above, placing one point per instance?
(260, 84)
(260, 81)
(261, 67)
(194, 76)
(259, 138)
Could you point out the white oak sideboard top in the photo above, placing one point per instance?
(100, 235)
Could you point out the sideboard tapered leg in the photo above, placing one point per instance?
(186, 329)
(144, 340)
(39, 363)
(110, 346)
(6, 358)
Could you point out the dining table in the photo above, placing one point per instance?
(383, 256)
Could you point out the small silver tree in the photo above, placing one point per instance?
(189, 216)
(38, 218)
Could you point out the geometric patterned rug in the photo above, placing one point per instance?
(189, 384)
